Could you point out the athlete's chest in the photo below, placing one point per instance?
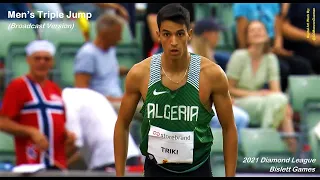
(166, 92)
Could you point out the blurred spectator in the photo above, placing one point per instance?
(131, 9)
(96, 65)
(33, 111)
(295, 30)
(204, 40)
(248, 70)
(151, 44)
(241, 118)
(92, 118)
(269, 15)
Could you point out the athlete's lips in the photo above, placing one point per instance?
(174, 51)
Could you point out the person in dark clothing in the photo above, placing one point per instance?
(296, 36)
(270, 15)
(131, 8)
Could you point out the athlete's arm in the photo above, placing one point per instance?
(128, 106)
(223, 105)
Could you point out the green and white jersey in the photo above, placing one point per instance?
(175, 128)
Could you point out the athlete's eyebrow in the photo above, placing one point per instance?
(180, 30)
(164, 30)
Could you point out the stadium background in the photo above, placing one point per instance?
(303, 90)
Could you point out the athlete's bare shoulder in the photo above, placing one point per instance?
(212, 74)
(141, 68)
(138, 73)
(210, 69)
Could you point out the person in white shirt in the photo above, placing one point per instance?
(92, 118)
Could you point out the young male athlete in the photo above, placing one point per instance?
(178, 89)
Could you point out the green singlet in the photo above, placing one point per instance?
(176, 111)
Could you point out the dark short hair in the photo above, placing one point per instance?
(174, 12)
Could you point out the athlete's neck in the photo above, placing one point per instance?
(101, 44)
(175, 65)
(40, 80)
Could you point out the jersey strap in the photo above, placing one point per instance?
(194, 71)
(155, 70)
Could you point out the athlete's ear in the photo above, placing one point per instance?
(190, 33)
(158, 36)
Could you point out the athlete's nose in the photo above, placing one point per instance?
(174, 41)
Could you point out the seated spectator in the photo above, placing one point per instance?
(241, 119)
(269, 14)
(248, 70)
(296, 37)
(92, 118)
(203, 42)
(205, 39)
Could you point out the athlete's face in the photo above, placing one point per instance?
(40, 63)
(174, 38)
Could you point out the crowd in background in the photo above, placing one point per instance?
(270, 45)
